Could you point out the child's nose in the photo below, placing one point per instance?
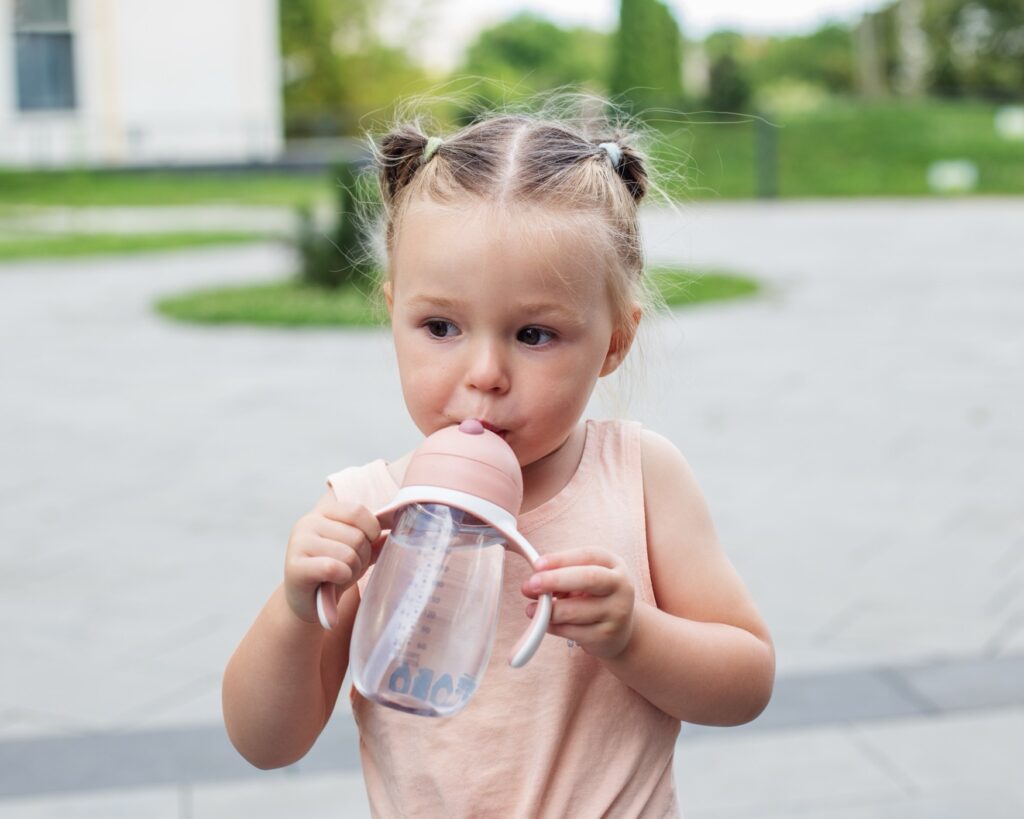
(487, 369)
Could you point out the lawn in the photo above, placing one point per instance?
(847, 149)
(844, 148)
(290, 304)
(63, 245)
(98, 188)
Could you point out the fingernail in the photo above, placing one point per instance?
(534, 583)
(530, 609)
(540, 563)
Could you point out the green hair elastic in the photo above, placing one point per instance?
(431, 148)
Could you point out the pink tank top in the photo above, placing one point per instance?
(561, 736)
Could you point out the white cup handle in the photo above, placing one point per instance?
(327, 593)
(534, 634)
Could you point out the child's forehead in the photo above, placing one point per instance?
(513, 256)
(481, 229)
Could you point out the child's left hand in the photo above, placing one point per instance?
(594, 598)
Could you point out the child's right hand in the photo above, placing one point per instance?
(332, 543)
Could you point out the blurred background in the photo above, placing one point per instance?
(189, 342)
(899, 98)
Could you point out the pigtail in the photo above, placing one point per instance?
(629, 166)
(399, 156)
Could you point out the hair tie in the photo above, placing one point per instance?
(614, 152)
(431, 148)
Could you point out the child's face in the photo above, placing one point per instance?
(504, 319)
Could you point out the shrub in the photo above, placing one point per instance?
(337, 258)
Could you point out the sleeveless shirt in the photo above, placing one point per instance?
(561, 736)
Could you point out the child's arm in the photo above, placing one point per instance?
(282, 682)
(704, 654)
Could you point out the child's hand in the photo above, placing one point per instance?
(594, 598)
(332, 543)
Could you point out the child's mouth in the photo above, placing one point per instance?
(502, 433)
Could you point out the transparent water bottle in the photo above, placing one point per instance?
(426, 621)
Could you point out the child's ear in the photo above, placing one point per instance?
(622, 340)
(389, 296)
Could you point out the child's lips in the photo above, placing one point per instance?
(494, 428)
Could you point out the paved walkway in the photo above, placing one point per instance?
(856, 430)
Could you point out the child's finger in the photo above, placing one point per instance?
(579, 611)
(576, 557)
(354, 515)
(578, 634)
(316, 570)
(594, 580)
(347, 535)
(356, 559)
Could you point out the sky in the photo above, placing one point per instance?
(450, 25)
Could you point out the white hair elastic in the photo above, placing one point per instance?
(431, 148)
(614, 152)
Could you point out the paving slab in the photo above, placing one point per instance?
(952, 765)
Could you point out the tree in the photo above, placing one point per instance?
(527, 54)
(728, 83)
(337, 67)
(646, 67)
(341, 258)
(977, 47)
(312, 78)
(824, 57)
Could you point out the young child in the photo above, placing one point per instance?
(514, 283)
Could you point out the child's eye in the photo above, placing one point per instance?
(441, 328)
(534, 336)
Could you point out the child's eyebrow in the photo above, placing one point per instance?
(539, 308)
(434, 301)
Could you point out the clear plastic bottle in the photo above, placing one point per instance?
(423, 633)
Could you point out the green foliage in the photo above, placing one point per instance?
(312, 77)
(336, 70)
(340, 258)
(646, 63)
(824, 57)
(527, 54)
(977, 47)
(728, 87)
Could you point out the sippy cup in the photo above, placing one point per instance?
(424, 629)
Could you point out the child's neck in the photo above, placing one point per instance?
(544, 479)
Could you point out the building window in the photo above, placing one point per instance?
(44, 57)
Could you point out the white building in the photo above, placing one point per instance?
(139, 82)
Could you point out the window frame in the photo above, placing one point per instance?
(59, 96)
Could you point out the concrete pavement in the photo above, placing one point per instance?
(855, 428)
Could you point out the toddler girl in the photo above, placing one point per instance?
(514, 283)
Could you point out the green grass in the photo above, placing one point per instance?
(66, 245)
(281, 304)
(844, 148)
(290, 304)
(847, 149)
(680, 288)
(126, 188)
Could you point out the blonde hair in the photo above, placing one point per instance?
(566, 155)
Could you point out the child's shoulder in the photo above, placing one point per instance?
(370, 484)
(671, 491)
